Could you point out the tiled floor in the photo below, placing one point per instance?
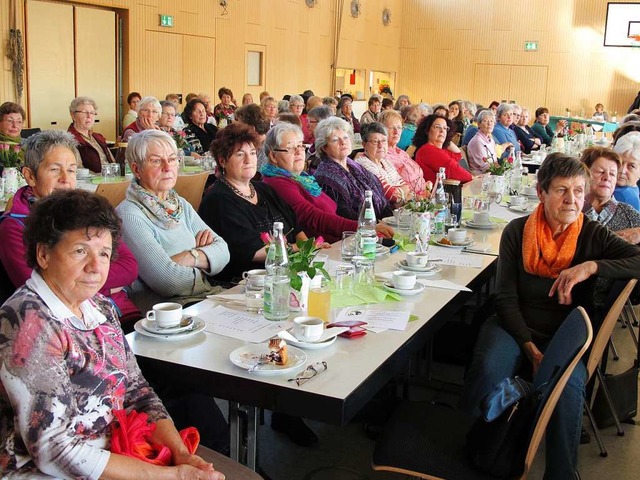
(344, 453)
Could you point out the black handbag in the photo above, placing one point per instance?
(623, 389)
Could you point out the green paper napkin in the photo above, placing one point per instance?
(362, 296)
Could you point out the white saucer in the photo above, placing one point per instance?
(247, 356)
(467, 242)
(391, 221)
(479, 226)
(197, 328)
(381, 250)
(151, 326)
(522, 208)
(430, 269)
(417, 288)
(317, 345)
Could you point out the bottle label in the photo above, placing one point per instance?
(369, 214)
(368, 246)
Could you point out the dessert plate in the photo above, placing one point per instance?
(247, 356)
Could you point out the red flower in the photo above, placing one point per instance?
(266, 238)
(319, 241)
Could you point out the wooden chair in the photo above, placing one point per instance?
(191, 188)
(427, 441)
(113, 191)
(230, 468)
(595, 357)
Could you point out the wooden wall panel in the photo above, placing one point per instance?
(162, 77)
(198, 65)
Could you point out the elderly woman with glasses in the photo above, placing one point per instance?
(177, 252)
(628, 147)
(343, 179)
(92, 146)
(431, 137)
(481, 151)
(149, 110)
(12, 118)
(374, 159)
(314, 209)
(51, 160)
(345, 112)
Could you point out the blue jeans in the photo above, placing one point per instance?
(497, 356)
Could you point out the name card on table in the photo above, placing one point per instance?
(445, 256)
(376, 319)
(241, 325)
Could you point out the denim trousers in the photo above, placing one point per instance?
(497, 356)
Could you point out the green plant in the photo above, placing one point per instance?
(303, 261)
(10, 155)
(419, 206)
(500, 166)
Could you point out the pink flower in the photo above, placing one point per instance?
(4, 146)
(319, 241)
(16, 148)
(265, 237)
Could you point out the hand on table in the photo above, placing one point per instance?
(570, 277)
(385, 230)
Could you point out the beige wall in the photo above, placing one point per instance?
(461, 49)
(439, 50)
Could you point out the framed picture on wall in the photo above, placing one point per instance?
(622, 26)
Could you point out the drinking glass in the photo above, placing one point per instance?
(364, 271)
(254, 294)
(348, 245)
(344, 278)
(106, 172)
(320, 301)
(115, 170)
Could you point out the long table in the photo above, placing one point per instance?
(357, 368)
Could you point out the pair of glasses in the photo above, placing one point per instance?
(86, 114)
(292, 149)
(396, 129)
(441, 128)
(335, 140)
(157, 161)
(167, 114)
(310, 372)
(377, 142)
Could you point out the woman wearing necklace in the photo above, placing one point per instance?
(91, 145)
(239, 209)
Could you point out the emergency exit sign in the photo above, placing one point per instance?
(531, 46)
(166, 20)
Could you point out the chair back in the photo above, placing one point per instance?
(565, 350)
(27, 132)
(191, 188)
(606, 328)
(6, 285)
(113, 191)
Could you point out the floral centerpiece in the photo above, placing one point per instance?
(180, 137)
(10, 155)
(500, 166)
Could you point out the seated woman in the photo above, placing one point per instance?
(410, 117)
(373, 110)
(177, 252)
(628, 147)
(541, 127)
(402, 101)
(548, 265)
(340, 177)
(314, 209)
(199, 132)
(254, 117)
(51, 160)
(430, 139)
(374, 140)
(525, 135)
(600, 113)
(270, 108)
(456, 116)
(133, 99)
(345, 112)
(504, 136)
(65, 364)
(408, 169)
(149, 111)
(223, 112)
(481, 151)
(11, 120)
(92, 146)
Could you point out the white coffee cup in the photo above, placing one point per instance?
(82, 173)
(518, 200)
(403, 280)
(417, 259)
(256, 276)
(481, 218)
(308, 329)
(457, 235)
(529, 191)
(167, 314)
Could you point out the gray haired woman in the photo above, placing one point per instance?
(91, 145)
(343, 179)
(149, 111)
(177, 252)
(628, 147)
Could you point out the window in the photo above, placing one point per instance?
(254, 68)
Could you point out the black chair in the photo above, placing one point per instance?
(6, 285)
(27, 132)
(428, 441)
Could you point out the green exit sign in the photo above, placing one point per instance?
(166, 20)
(531, 46)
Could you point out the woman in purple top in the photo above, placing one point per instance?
(340, 177)
(481, 150)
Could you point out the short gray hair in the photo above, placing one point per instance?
(482, 114)
(79, 101)
(296, 98)
(504, 108)
(168, 103)
(329, 101)
(516, 107)
(469, 105)
(150, 101)
(139, 143)
(628, 144)
(326, 128)
(37, 146)
(320, 112)
(370, 128)
(283, 106)
(425, 109)
(275, 134)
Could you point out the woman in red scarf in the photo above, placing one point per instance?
(548, 265)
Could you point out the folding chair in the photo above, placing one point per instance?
(191, 188)
(427, 441)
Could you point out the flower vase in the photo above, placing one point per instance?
(11, 180)
(420, 232)
(299, 299)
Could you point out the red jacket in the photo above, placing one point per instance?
(431, 158)
(89, 155)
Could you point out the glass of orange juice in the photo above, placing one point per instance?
(319, 304)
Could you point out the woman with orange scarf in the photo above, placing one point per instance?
(548, 265)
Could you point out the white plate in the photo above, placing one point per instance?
(313, 345)
(417, 288)
(480, 226)
(522, 208)
(391, 221)
(468, 242)
(151, 326)
(381, 250)
(430, 269)
(197, 328)
(246, 357)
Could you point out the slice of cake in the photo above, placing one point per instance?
(277, 351)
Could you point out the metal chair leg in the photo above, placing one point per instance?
(614, 350)
(607, 396)
(626, 316)
(596, 431)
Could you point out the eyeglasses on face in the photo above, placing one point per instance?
(156, 162)
(335, 140)
(86, 113)
(441, 128)
(291, 149)
(377, 142)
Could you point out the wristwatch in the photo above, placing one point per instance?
(194, 252)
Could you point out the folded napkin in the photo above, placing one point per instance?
(478, 248)
(131, 436)
(228, 297)
(446, 284)
(361, 296)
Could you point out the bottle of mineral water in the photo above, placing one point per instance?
(276, 282)
(367, 238)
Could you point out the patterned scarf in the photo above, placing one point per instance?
(543, 255)
(163, 213)
(308, 182)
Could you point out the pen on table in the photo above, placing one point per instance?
(394, 249)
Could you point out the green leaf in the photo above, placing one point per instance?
(296, 282)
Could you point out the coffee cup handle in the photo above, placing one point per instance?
(151, 316)
(245, 275)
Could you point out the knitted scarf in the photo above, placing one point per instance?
(308, 182)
